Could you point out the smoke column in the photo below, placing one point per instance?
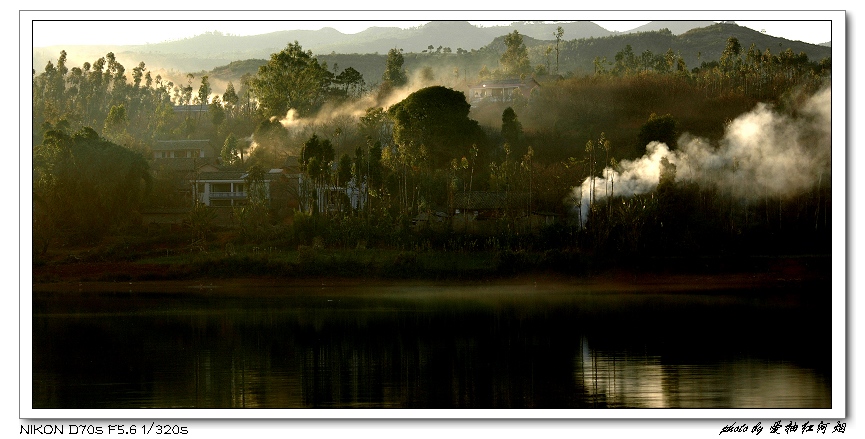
(762, 153)
(329, 113)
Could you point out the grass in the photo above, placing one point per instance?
(305, 261)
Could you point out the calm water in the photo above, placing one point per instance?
(473, 346)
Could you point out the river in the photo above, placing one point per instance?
(413, 345)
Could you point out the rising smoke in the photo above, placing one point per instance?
(762, 153)
(344, 115)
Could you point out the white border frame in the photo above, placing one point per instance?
(840, 393)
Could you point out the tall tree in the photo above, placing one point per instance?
(291, 79)
(216, 111)
(230, 97)
(558, 34)
(515, 60)
(316, 159)
(203, 94)
(393, 70)
(230, 155)
(730, 58)
(512, 129)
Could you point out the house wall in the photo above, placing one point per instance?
(225, 193)
(178, 153)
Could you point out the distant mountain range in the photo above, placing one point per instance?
(213, 49)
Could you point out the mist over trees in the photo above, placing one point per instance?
(409, 147)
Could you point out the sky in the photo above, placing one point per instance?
(71, 28)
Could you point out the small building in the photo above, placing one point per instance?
(183, 149)
(190, 110)
(173, 163)
(231, 188)
(502, 90)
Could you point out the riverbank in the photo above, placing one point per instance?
(334, 268)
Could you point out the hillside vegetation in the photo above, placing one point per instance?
(631, 148)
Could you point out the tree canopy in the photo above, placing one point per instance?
(433, 124)
(291, 79)
(393, 71)
(515, 60)
(85, 185)
(657, 128)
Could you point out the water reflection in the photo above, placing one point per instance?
(623, 380)
(492, 346)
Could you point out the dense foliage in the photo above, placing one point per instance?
(409, 148)
(84, 187)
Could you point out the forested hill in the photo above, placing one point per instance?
(577, 56)
(696, 46)
(206, 51)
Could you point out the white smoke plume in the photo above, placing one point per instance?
(762, 153)
(291, 118)
(344, 115)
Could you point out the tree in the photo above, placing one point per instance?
(626, 62)
(291, 79)
(216, 112)
(230, 155)
(185, 93)
(558, 34)
(343, 172)
(116, 125)
(316, 159)
(484, 73)
(512, 129)
(203, 91)
(271, 140)
(393, 71)
(230, 99)
(547, 52)
(435, 118)
(600, 64)
(515, 60)
(373, 123)
(87, 185)
(352, 80)
(138, 74)
(254, 216)
(659, 129)
(730, 59)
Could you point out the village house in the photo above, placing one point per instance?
(502, 90)
(232, 188)
(183, 149)
(174, 163)
(222, 191)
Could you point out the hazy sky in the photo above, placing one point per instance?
(84, 28)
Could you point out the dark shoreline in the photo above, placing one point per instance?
(659, 276)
